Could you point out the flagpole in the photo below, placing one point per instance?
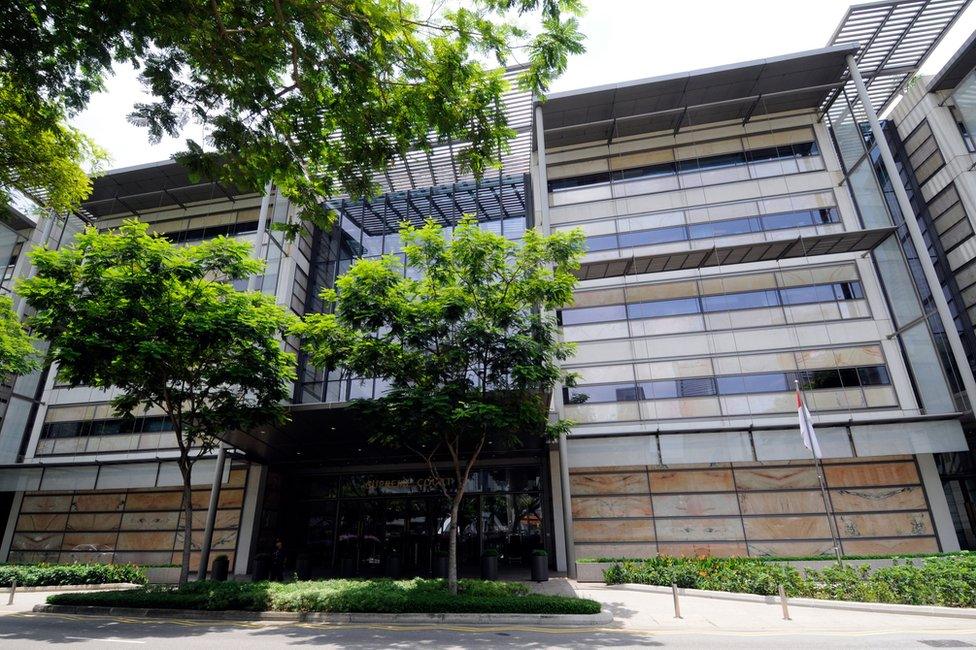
(831, 523)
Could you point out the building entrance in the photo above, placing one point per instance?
(397, 524)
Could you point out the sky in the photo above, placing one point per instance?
(626, 39)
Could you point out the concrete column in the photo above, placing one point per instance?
(955, 342)
(252, 282)
(218, 478)
(247, 534)
(8, 534)
(941, 517)
(557, 396)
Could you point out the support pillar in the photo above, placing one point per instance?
(557, 396)
(212, 513)
(904, 204)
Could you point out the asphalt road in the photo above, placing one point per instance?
(29, 630)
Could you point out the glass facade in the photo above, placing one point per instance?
(397, 523)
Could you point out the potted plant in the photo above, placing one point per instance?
(540, 565)
(262, 566)
(303, 566)
(220, 568)
(393, 566)
(489, 564)
(440, 564)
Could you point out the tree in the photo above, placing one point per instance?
(17, 353)
(40, 154)
(163, 326)
(463, 340)
(313, 95)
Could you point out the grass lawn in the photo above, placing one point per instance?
(383, 596)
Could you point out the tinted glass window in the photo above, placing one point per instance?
(724, 228)
(593, 315)
(656, 236)
(661, 169)
(660, 308)
(601, 242)
(848, 377)
(848, 291)
(874, 376)
(817, 379)
(696, 387)
(601, 393)
(665, 389)
(744, 300)
(803, 295)
(789, 220)
(772, 382)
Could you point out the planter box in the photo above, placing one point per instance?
(591, 571)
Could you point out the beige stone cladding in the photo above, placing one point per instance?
(140, 526)
(754, 509)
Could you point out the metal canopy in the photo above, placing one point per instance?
(143, 188)
(491, 199)
(438, 166)
(844, 242)
(894, 38)
(953, 72)
(732, 92)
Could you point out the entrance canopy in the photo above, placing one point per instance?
(333, 433)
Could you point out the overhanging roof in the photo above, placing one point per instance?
(153, 186)
(809, 246)
(894, 37)
(731, 92)
(961, 64)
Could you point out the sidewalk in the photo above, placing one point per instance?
(636, 610)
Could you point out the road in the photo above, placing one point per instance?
(30, 630)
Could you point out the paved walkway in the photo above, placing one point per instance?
(639, 610)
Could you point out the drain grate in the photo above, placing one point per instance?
(947, 643)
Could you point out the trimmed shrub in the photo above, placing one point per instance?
(948, 580)
(380, 596)
(45, 575)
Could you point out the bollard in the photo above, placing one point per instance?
(677, 607)
(13, 590)
(782, 600)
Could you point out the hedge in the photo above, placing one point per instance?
(799, 558)
(45, 575)
(946, 580)
(378, 596)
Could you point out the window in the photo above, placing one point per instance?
(704, 163)
(810, 294)
(655, 236)
(742, 300)
(659, 308)
(724, 228)
(696, 387)
(744, 384)
(593, 315)
(770, 382)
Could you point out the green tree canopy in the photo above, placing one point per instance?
(163, 325)
(462, 338)
(40, 154)
(17, 353)
(314, 95)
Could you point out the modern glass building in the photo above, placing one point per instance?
(744, 233)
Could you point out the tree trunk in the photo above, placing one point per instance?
(187, 520)
(452, 577)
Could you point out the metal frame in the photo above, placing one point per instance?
(894, 38)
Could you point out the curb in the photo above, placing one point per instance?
(877, 608)
(553, 620)
(107, 586)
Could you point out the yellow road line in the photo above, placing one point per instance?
(474, 629)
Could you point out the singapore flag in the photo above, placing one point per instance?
(806, 426)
